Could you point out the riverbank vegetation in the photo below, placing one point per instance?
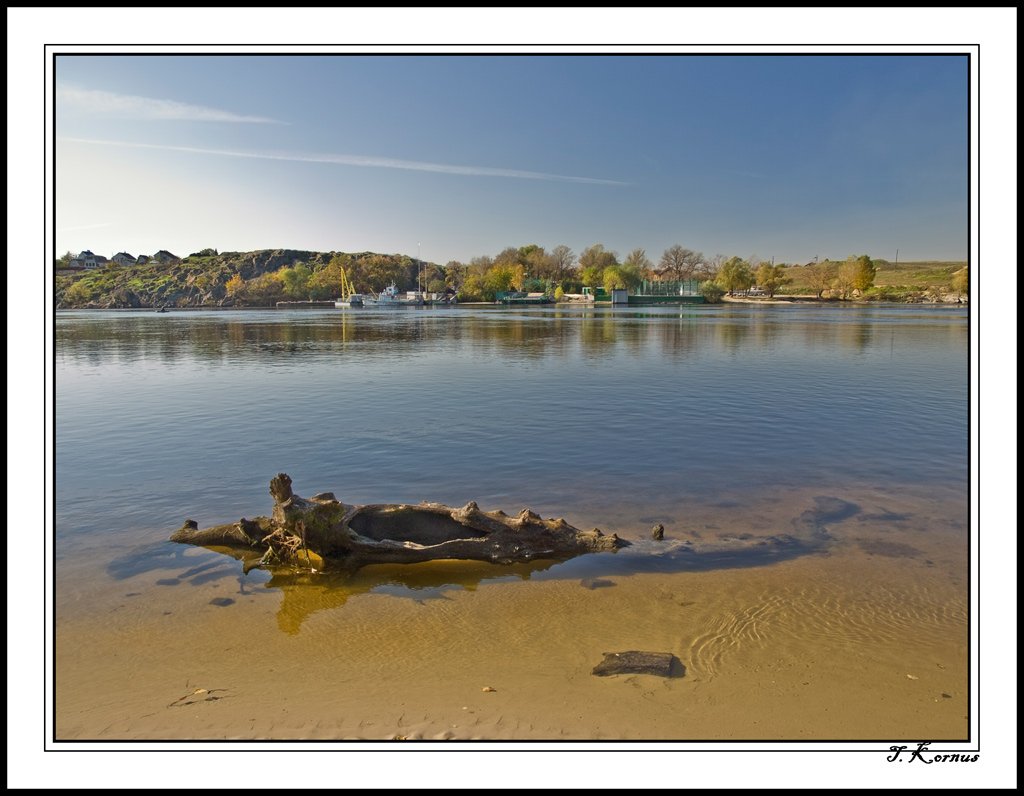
(263, 278)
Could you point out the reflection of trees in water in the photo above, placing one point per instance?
(855, 336)
(520, 336)
(859, 336)
(240, 336)
(682, 336)
(732, 335)
(596, 333)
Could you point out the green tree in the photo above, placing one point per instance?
(855, 273)
(611, 278)
(711, 291)
(77, 294)
(593, 261)
(542, 265)
(499, 279)
(295, 281)
(455, 274)
(864, 275)
(472, 288)
(637, 260)
(380, 270)
(325, 283)
(772, 277)
(625, 275)
(264, 289)
(735, 275)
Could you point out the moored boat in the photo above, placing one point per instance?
(352, 300)
(390, 297)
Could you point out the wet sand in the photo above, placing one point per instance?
(867, 640)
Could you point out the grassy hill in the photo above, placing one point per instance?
(902, 282)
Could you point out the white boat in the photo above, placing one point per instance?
(390, 297)
(352, 300)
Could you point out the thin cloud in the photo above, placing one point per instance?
(130, 106)
(361, 160)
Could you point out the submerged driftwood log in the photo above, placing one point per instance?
(354, 536)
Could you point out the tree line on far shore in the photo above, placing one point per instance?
(207, 278)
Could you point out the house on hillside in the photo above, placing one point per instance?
(87, 260)
(123, 258)
(164, 257)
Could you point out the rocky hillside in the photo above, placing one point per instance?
(231, 279)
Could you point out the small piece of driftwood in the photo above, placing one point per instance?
(662, 664)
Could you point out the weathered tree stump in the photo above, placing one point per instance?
(355, 536)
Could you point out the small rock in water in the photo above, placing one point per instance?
(658, 532)
(488, 689)
(222, 601)
(662, 664)
(596, 583)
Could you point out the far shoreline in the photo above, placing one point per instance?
(748, 300)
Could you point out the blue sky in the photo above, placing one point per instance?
(789, 157)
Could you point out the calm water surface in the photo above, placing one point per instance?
(162, 416)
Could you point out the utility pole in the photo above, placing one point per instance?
(897, 264)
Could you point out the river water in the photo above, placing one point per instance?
(709, 420)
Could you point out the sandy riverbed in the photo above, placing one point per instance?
(867, 641)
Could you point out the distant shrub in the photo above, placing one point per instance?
(711, 291)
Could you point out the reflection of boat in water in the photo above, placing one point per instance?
(390, 297)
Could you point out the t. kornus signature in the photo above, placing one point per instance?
(922, 750)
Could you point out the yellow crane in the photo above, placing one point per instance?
(346, 286)
(349, 297)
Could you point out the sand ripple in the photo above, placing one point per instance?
(801, 620)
